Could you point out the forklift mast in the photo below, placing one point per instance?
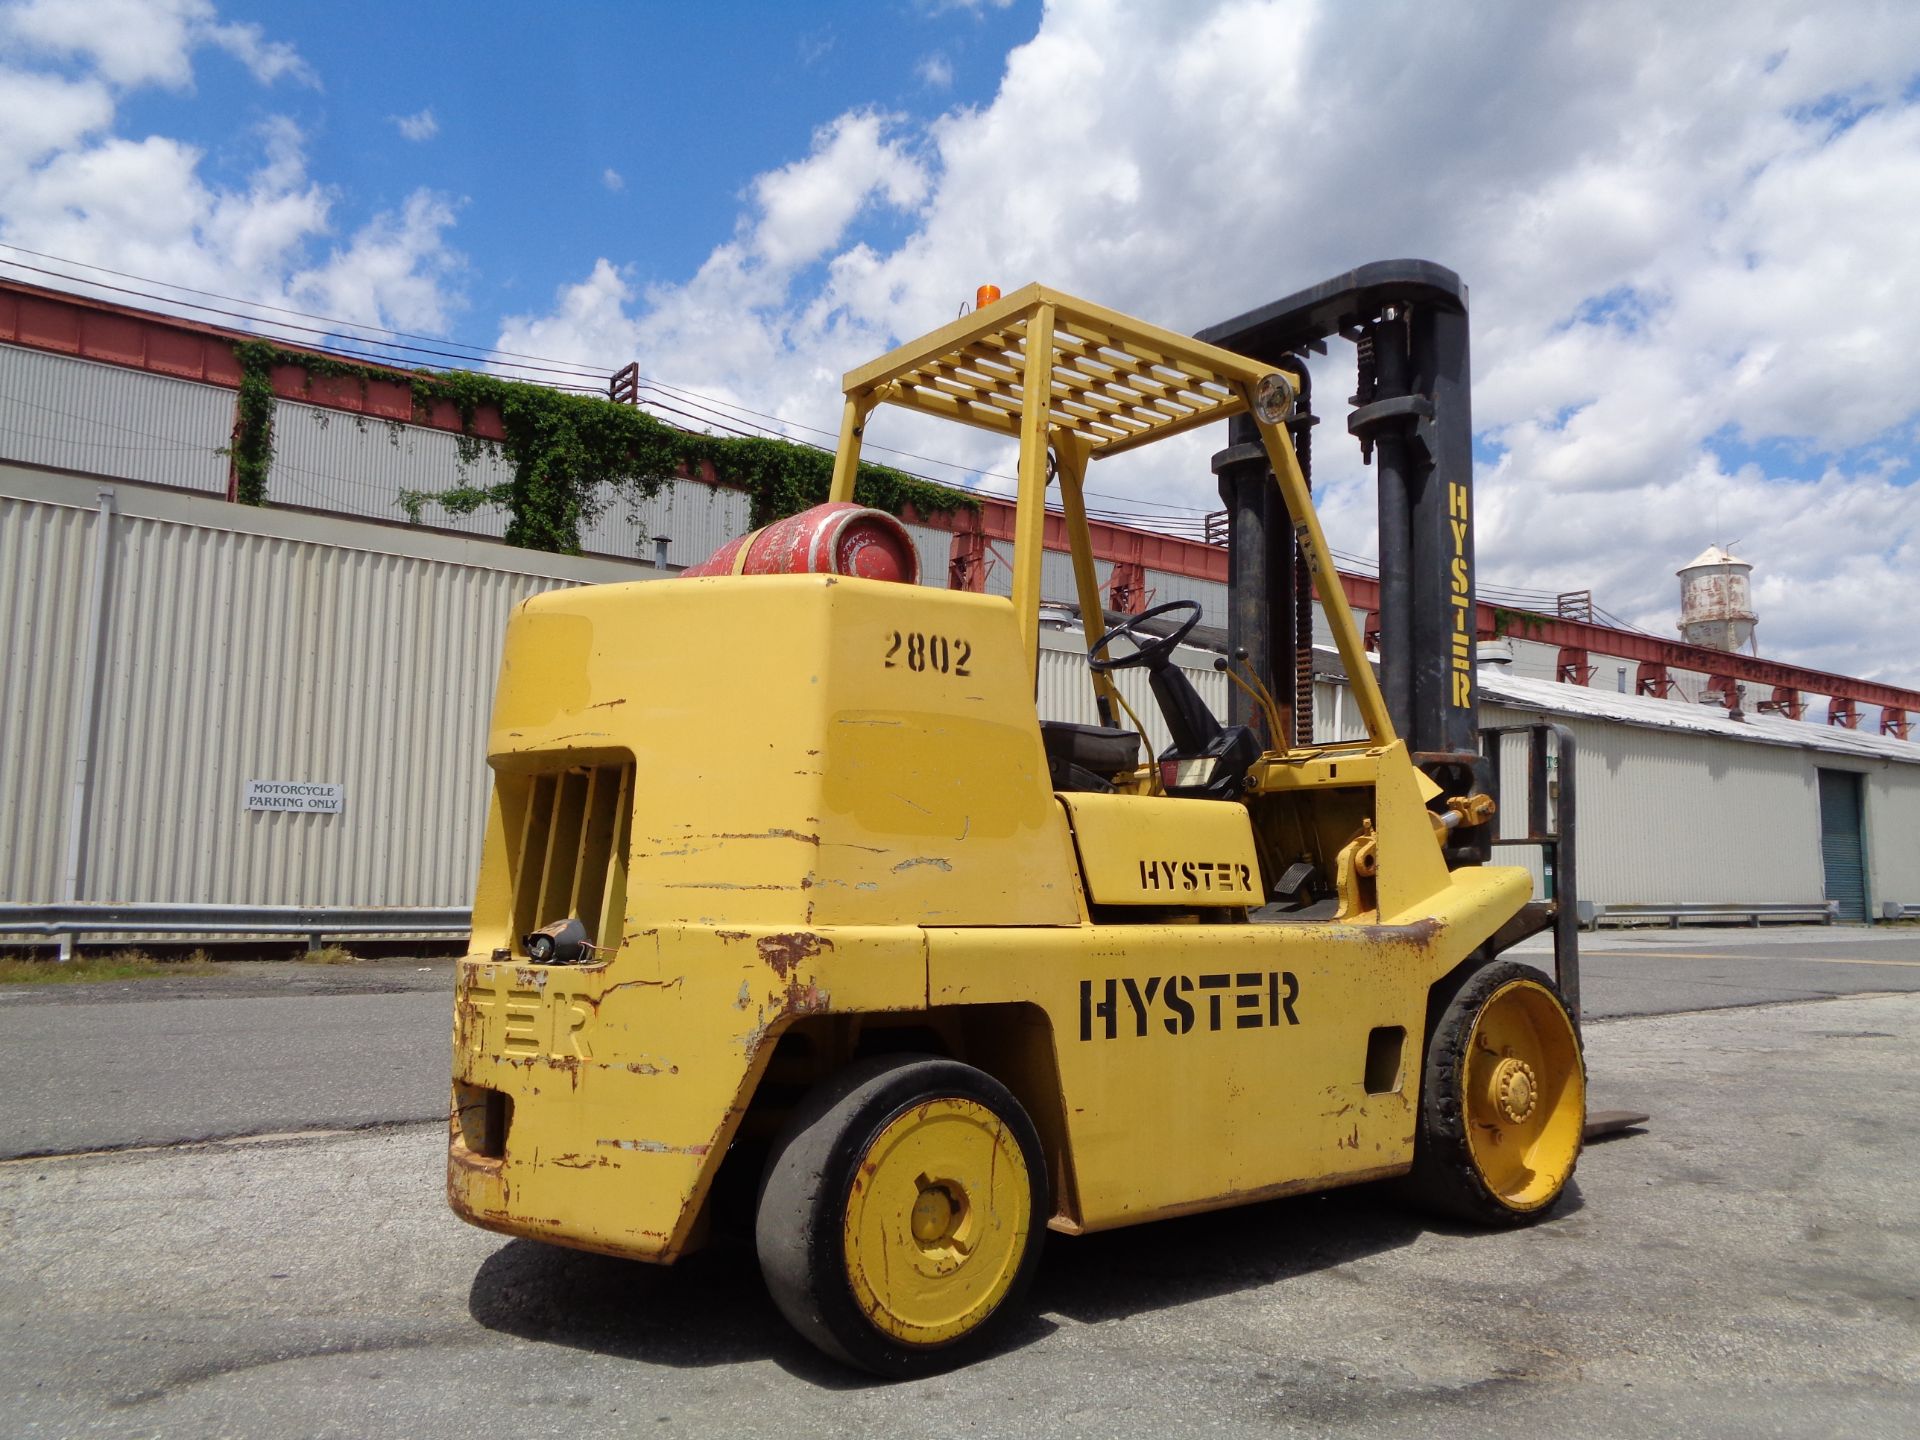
(1412, 416)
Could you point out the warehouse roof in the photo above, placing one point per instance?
(1555, 698)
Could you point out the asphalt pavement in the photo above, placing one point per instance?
(256, 1049)
(1750, 1265)
(1660, 971)
(288, 1046)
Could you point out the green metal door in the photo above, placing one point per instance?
(1842, 852)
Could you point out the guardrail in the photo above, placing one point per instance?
(1821, 912)
(68, 922)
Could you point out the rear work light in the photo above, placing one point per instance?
(1181, 773)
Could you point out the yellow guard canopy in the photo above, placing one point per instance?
(1064, 375)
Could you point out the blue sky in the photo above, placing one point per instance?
(1688, 231)
(532, 117)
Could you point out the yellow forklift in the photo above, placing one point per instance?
(791, 910)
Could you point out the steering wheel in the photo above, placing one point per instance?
(1154, 650)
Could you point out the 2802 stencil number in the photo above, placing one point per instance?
(921, 652)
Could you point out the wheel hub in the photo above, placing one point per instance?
(936, 1214)
(1515, 1091)
(936, 1221)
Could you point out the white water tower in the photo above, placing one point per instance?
(1716, 602)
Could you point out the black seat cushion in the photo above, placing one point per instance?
(1096, 748)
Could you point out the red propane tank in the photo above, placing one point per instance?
(836, 539)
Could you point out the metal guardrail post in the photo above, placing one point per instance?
(67, 922)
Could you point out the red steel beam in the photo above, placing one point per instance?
(1363, 593)
(90, 329)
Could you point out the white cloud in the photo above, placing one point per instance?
(613, 179)
(421, 126)
(816, 46)
(393, 268)
(43, 114)
(1679, 226)
(130, 43)
(807, 206)
(935, 72)
(974, 7)
(72, 187)
(267, 60)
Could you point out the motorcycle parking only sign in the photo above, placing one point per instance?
(304, 796)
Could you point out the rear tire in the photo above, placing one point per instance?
(1503, 1099)
(902, 1214)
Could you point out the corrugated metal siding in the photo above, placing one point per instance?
(106, 420)
(935, 549)
(294, 648)
(1066, 691)
(1533, 660)
(1056, 574)
(288, 661)
(326, 460)
(330, 460)
(1511, 822)
(1335, 715)
(46, 561)
(1165, 586)
(1670, 817)
(697, 520)
(1893, 836)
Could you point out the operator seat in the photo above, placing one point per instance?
(1083, 757)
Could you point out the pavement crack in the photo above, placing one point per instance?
(215, 1142)
(200, 1374)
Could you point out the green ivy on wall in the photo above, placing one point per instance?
(1511, 622)
(563, 447)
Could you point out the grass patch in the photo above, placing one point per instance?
(119, 965)
(331, 955)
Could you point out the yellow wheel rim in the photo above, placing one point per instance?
(937, 1220)
(1525, 1097)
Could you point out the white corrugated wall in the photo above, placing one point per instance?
(1893, 837)
(697, 520)
(246, 644)
(934, 546)
(1666, 817)
(46, 555)
(107, 420)
(1066, 688)
(328, 460)
(350, 465)
(1164, 586)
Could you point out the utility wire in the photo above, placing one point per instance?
(336, 333)
(1183, 521)
(329, 320)
(337, 328)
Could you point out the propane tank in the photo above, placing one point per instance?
(835, 539)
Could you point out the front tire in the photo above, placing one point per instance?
(1503, 1099)
(902, 1215)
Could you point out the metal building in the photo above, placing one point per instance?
(1684, 809)
(166, 654)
